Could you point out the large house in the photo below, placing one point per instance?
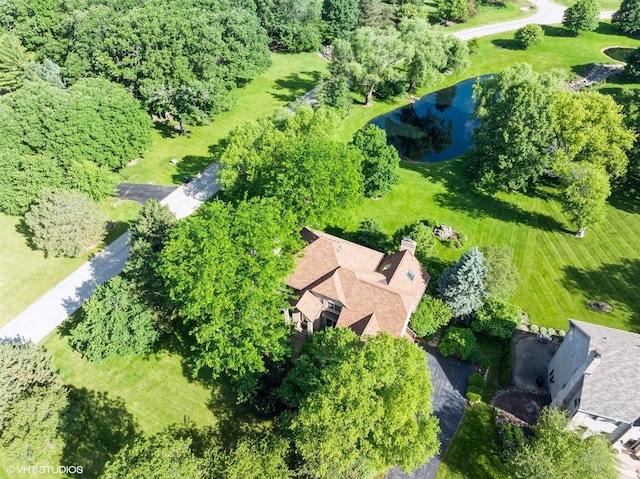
(342, 284)
(595, 376)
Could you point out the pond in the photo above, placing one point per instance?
(437, 127)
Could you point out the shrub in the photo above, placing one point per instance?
(462, 342)
(473, 397)
(544, 330)
(431, 314)
(534, 328)
(369, 233)
(505, 363)
(633, 63)
(474, 389)
(476, 380)
(64, 223)
(422, 233)
(562, 333)
(529, 35)
(497, 318)
(473, 45)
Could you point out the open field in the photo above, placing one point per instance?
(559, 273)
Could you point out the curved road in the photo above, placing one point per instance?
(47, 313)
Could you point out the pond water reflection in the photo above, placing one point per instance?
(437, 127)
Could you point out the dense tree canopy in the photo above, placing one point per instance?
(297, 160)
(64, 223)
(114, 322)
(371, 57)
(627, 18)
(590, 127)
(380, 161)
(362, 406)
(292, 25)
(92, 120)
(158, 457)
(452, 10)
(555, 452)
(224, 270)
(340, 18)
(33, 399)
(497, 318)
(460, 342)
(461, 286)
(584, 15)
(13, 62)
(512, 142)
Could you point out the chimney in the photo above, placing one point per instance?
(408, 244)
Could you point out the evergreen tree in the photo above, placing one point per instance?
(380, 163)
(627, 18)
(13, 60)
(582, 15)
(461, 286)
(529, 35)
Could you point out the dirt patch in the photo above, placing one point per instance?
(523, 405)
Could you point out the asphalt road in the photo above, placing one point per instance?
(46, 314)
(449, 379)
(141, 193)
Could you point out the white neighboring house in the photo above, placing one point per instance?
(595, 376)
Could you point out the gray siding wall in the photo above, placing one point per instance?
(568, 363)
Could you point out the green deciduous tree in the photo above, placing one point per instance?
(370, 58)
(557, 453)
(334, 92)
(461, 342)
(340, 18)
(590, 127)
(380, 163)
(512, 141)
(584, 15)
(497, 318)
(158, 457)
(32, 399)
(431, 314)
(529, 35)
(97, 182)
(371, 234)
(433, 52)
(64, 223)
(254, 458)
(13, 61)
(422, 234)
(502, 278)
(584, 196)
(23, 177)
(292, 25)
(295, 159)
(452, 10)
(461, 286)
(361, 406)
(92, 120)
(627, 18)
(224, 270)
(114, 322)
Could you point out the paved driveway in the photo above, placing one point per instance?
(141, 192)
(449, 378)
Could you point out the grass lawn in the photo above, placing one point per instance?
(25, 274)
(124, 395)
(487, 15)
(289, 77)
(559, 273)
(602, 4)
(492, 350)
(474, 450)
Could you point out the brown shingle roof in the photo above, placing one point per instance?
(376, 297)
(309, 305)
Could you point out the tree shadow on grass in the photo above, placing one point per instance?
(94, 427)
(614, 283)
(626, 195)
(461, 196)
(554, 31)
(190, 166)
(507, 44)
(166, 129)
(295, 85)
